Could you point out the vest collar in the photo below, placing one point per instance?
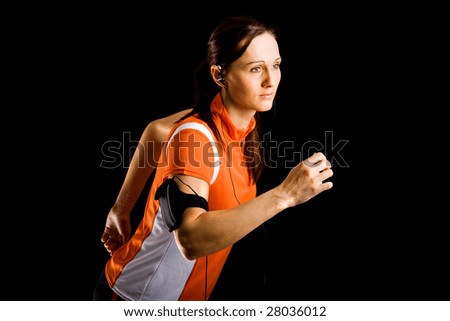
(224, 122)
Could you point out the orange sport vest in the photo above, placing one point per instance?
(150, 266)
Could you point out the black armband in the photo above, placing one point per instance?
(173, 202)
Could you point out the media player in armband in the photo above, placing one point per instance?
(173, 202)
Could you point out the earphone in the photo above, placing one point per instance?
(220, 79)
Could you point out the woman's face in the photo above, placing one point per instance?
(252, 80)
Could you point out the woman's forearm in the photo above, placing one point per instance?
(205, 233)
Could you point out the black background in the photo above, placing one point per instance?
(100, 73)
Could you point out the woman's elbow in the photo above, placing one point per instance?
(187, 246)
(189, 254)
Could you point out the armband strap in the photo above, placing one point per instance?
(174, 202)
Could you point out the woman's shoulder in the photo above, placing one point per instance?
(162, 127)
(191, 124)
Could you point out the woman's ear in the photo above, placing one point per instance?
(217, 75)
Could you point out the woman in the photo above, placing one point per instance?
(203, 197)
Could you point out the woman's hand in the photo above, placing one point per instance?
(117, 231)
(306, 180)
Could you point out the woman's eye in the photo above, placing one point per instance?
(255, 69)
